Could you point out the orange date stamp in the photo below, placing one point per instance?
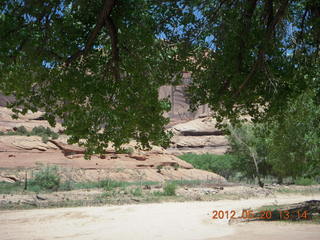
(265, 214)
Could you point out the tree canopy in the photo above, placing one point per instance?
(98, 65)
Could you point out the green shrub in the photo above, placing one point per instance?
(304, 181)
(249, 145)
(169, 189)
(185, 182)
(288, 145)
(108, 193)
(8, 187)
(46, 179)
(109, 185)
(137, 192)
(158, 193)
(128, 150)
(294, 148)
(45, 138)
(220, 164)
(67, 185)
(45, 133)
(21, 131)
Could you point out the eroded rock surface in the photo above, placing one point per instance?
(29, 121)
(198, 136)
(30, 153)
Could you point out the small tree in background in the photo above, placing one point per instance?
(294, 149)
(46, 179)
(286, 146)
(249, 150)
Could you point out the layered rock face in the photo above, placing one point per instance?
(194, 132)
(21, 155)
(29, 121)
(179, 101)
(198, 136)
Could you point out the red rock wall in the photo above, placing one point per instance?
(179, 101)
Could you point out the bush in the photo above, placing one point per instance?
(46, 179)
(137, 192)
(8, 187)
(67, 186)
(249, 146)
(286, 146)
(294, 148)
(169, 189)
(304, 181)
(45, 133)
(128, 150)
(220, 164)
(21, 131)
(109, 185)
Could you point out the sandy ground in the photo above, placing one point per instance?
(187, 220)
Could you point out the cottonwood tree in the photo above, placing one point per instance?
(98, 64)
(250, 56)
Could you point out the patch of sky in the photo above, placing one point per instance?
(47, 64)
(28, 18)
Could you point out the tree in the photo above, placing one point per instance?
(294, 139)
(262, 53)
(98, 64)
(286, 146)
(247, 147)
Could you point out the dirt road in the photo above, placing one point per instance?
(187, 220)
